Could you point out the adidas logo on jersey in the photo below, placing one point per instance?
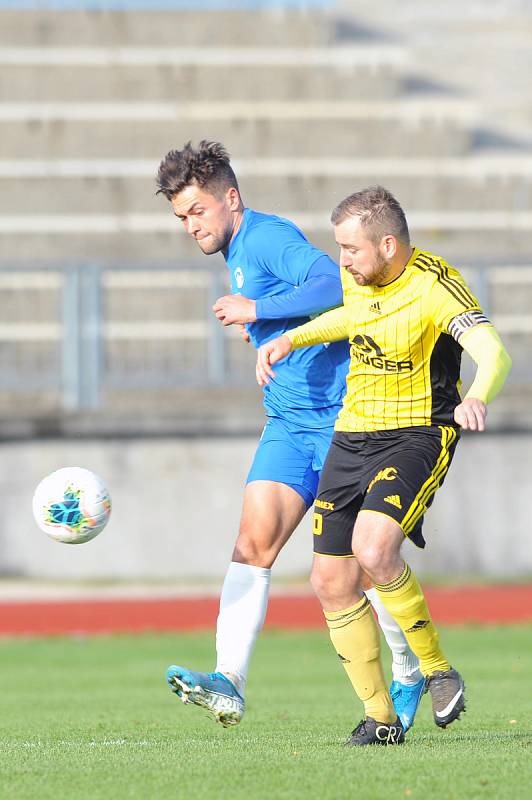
(376, 308)
(394, 500)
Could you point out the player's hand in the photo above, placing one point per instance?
(234, 309)
(243, 332)
(471, 414)
(269, 354)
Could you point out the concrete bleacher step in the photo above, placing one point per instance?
(138, 358)
(106, 209)
(168, 304)
(149, 304)
(508, 297)
(83, 238)
(367, 72)
(483, 50)
(486, 189)
(438, 193)
(127, 307)
(31, 306)
(511, 292)
(425, 19)
(158, 294)
(276, 27)
(134, 130)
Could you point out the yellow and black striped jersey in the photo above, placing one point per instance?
(405, 351)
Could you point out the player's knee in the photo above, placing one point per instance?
(318, 582)
(373, 558)
(257, 553)
(331, 589)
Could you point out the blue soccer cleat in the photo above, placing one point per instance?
(209, 690)
(406, 700)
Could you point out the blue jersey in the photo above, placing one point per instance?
(270, 256)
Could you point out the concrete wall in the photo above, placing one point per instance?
(176, 506)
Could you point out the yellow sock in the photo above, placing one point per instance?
(406, 603)
(356, 639)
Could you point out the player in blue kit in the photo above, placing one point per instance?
(279, 280)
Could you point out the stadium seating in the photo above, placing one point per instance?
(311, 105)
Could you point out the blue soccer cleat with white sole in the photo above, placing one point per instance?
(212, 691)
(406, 699)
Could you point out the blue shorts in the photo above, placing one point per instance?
(291, 455)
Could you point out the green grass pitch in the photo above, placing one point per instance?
(92, 718)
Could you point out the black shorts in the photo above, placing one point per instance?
(393, 472)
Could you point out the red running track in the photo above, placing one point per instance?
(456, 606)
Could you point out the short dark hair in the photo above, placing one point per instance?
(207, 166)
(380, 213)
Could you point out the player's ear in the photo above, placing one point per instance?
(388, 246)
(233, 198)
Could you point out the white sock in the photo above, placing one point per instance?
(243, 605)
(405, 664)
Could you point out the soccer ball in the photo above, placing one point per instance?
(72, 505)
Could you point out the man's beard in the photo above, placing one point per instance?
(381, 269)
(215, 243)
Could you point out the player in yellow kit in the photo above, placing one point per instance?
(408, 315)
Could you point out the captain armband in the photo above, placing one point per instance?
(464, 322)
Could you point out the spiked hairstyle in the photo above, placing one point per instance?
(207, 166)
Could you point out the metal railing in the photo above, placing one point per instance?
(75, 333)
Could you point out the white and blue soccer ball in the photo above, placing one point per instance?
(72, 505)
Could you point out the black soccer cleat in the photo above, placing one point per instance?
(369, 731)
(447, 691)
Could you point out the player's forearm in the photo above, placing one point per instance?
(329, 327)
(493, 362)
(317, 294)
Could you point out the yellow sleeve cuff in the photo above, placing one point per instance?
(485, 347)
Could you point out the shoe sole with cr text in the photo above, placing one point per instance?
(370, 732)
(209, 690)
(448, 699)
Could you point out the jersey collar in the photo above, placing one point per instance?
(397, 282)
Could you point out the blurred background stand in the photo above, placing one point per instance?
(109, 354)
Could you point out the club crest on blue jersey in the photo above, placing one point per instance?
(239, 277)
